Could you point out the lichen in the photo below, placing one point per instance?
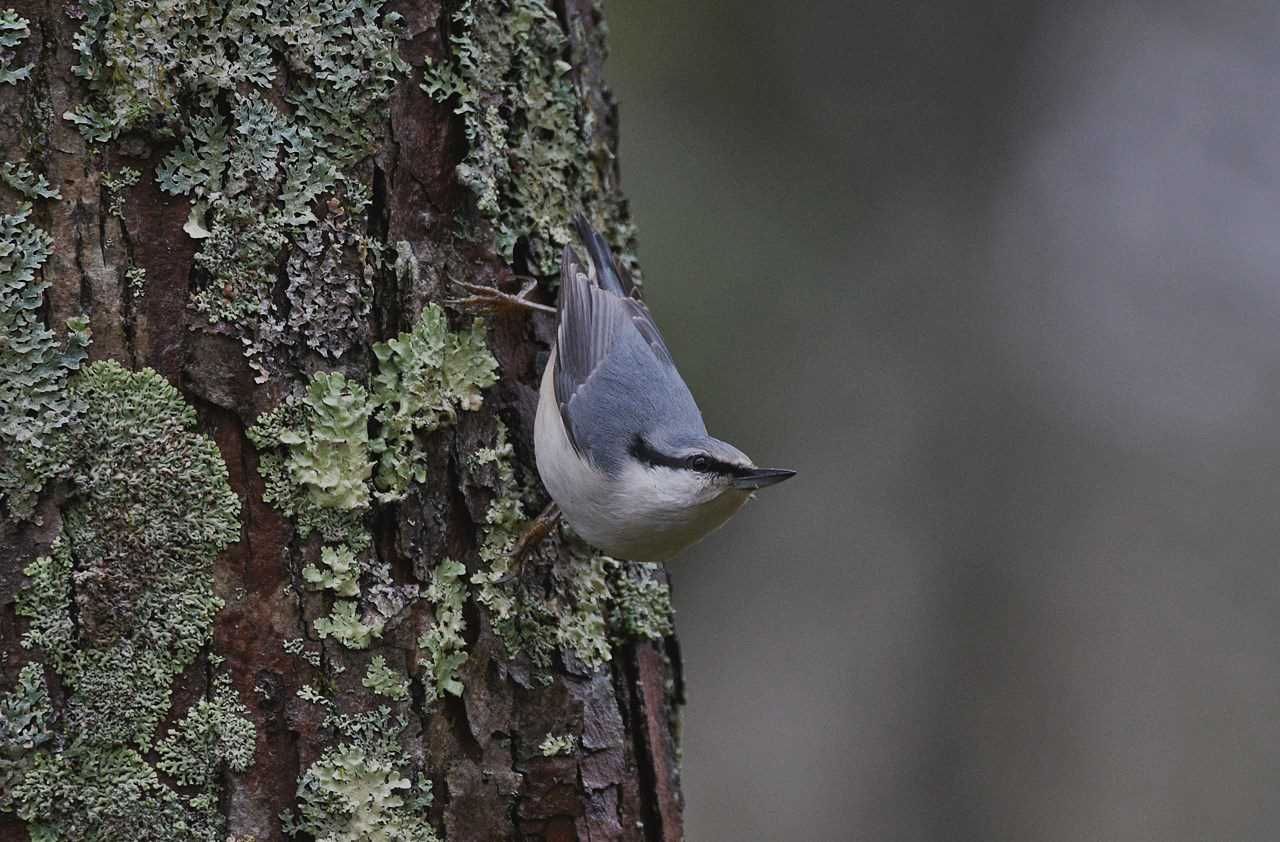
(425, 376)
(30, 184)
(385, 681)
(345, 626)
(25, 719)
(122, 604)
(262, 175)
(35, 406)
(14, 30)
(443, 646)
(641, 601)
(504, 523)
(563, 744)
(151, 510)
(117, 184)
(581, 628)
(532, 160)
(215, 731)
(338, 572)
(318, 460)
(321, 478)
(329, 457)
(365, 788)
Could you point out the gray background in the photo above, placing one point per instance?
(1001, 281)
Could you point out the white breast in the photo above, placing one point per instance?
(635, 516)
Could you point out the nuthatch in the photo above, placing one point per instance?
(620, 443)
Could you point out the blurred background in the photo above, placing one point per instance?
(1002, 280)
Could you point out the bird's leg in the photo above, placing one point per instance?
(493, 299)
(532, 537)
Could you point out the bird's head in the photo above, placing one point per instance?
(692, 470)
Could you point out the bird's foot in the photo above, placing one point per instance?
(532, 537)
(494, 300)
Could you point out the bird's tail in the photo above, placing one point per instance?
(608, 274)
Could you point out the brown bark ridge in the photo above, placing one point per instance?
(253, 582)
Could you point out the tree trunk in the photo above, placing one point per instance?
(256, 558)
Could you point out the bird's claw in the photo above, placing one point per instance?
(491, 299)
(534, 535)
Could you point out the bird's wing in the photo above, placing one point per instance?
(613, 370)
(608, 273)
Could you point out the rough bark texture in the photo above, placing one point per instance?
(484, 751)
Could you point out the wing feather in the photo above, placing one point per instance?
(612, 370)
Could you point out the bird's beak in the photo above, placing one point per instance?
(760, 477)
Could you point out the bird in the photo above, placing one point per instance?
(619, 442)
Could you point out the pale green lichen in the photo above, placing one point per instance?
(121, 605)
(581, 628)
(25, 719)
(257, 173)
(425, 376)
(136, 279)
(215, 731)
(14, 30)
(30, 184)
(94, 793)
(338, 571)
(365, 789)
(318, 460)
(152, 509)
(329, 457)
(641, 601)
(298, 647)
(385, 681)
(443, 646)
(345, 626)
(532, 158)
(504, 523)
(321, 481)
(35, 406)
(117, 184)
(563, 744)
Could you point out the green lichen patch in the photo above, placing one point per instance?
(14, 30)
(425, 376)
(121, 605)
(338, 571)
(35, 406)
(117, 185)
(562, 744)
(443, 648)
(30, 184)
(346, 626)
(215, 732)
(318, 459)
(25, 728)
(641, 606)
(324, 434)
(366, 788)
(385, 681)
(152, 508)
(581, 623)
(533, 160)
(275, 105)
(329, 457)
(93, 793)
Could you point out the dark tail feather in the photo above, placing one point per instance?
(607, 271)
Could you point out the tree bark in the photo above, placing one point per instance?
(310, 629)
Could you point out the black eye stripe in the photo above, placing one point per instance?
(645, 452)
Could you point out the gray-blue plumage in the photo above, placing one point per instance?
(614, 377)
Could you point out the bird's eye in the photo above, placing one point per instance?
(699, 462)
